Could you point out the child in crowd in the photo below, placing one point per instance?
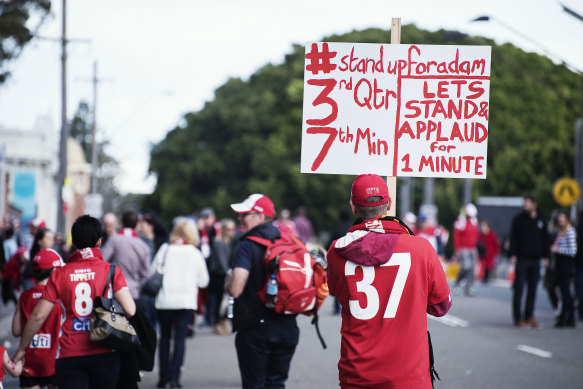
(14, 369)
(39, 363)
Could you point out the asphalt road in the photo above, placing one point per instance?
(476, 347)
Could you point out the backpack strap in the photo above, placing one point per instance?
(315, 323)
(261, 241)
(432, 371)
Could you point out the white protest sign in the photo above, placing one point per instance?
(396, 110)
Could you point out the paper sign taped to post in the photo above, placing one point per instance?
(396, 110)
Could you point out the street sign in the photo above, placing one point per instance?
(566, 191)
(94, 205)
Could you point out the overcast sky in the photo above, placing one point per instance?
(162, 59)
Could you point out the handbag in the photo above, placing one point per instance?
(109, 325)
(153, 284)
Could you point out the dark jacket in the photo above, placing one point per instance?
(142, 357)
(529, 237)
(248, 309)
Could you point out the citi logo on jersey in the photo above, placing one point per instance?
(37, 295)
(41, 341)
(82, 324)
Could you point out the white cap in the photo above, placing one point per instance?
(256, 202)
(471, 210)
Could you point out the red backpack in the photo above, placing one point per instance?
(301, 280)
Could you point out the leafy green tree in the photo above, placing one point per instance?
(14, 33)
(248, 138)
(108, 167)
(80, 128)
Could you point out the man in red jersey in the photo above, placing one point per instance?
(80, 363)
(39, 362)
(386, 281)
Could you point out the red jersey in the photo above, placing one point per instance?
(74, 286)
(2, 371)
(385, 280)
(465, 233)
(39, 360)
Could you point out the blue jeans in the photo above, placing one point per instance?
(527, 272)
(176, 319)
(565, 266)
(264, 352)
(467, 259)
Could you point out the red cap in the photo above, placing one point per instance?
(47, 259)
(37, 222)
(256, 202)
(369, 185)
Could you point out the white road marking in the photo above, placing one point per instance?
(501, 283)
(535, 351)
(450, 320)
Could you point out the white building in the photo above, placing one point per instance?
(30, 158)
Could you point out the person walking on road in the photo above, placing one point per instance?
(218, 264)
(465, 241)
(387, 280)
(39, 363)
(128, 251)
(528, 244)
(185, 272)
(80, 363)
(265, 341)
(565, 248)
(491, 250)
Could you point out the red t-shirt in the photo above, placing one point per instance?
(75, 286)
(2, 371)
(384, 289)
(39, 360)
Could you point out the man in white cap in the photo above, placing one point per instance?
(265, 340)
(386, 280)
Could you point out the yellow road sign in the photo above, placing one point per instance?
(566, 191)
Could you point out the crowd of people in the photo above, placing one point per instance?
(535, 248)
(196, 256)
(210, 266)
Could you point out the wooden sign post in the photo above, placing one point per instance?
(391, 180)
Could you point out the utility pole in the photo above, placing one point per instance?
(62, 174)
(578, 168)
(93, 132)
(94, 153)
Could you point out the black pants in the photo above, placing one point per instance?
(172, 321)
(565, 267)
(264, 352)
(98, 371)
(214, 293)
(527, 272)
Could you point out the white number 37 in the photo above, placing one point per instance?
(403, 261)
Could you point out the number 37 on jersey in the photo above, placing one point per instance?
(372, 301)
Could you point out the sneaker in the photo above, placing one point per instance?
(471, 292)
(457, 290)
(532, 323)
(521, 324)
